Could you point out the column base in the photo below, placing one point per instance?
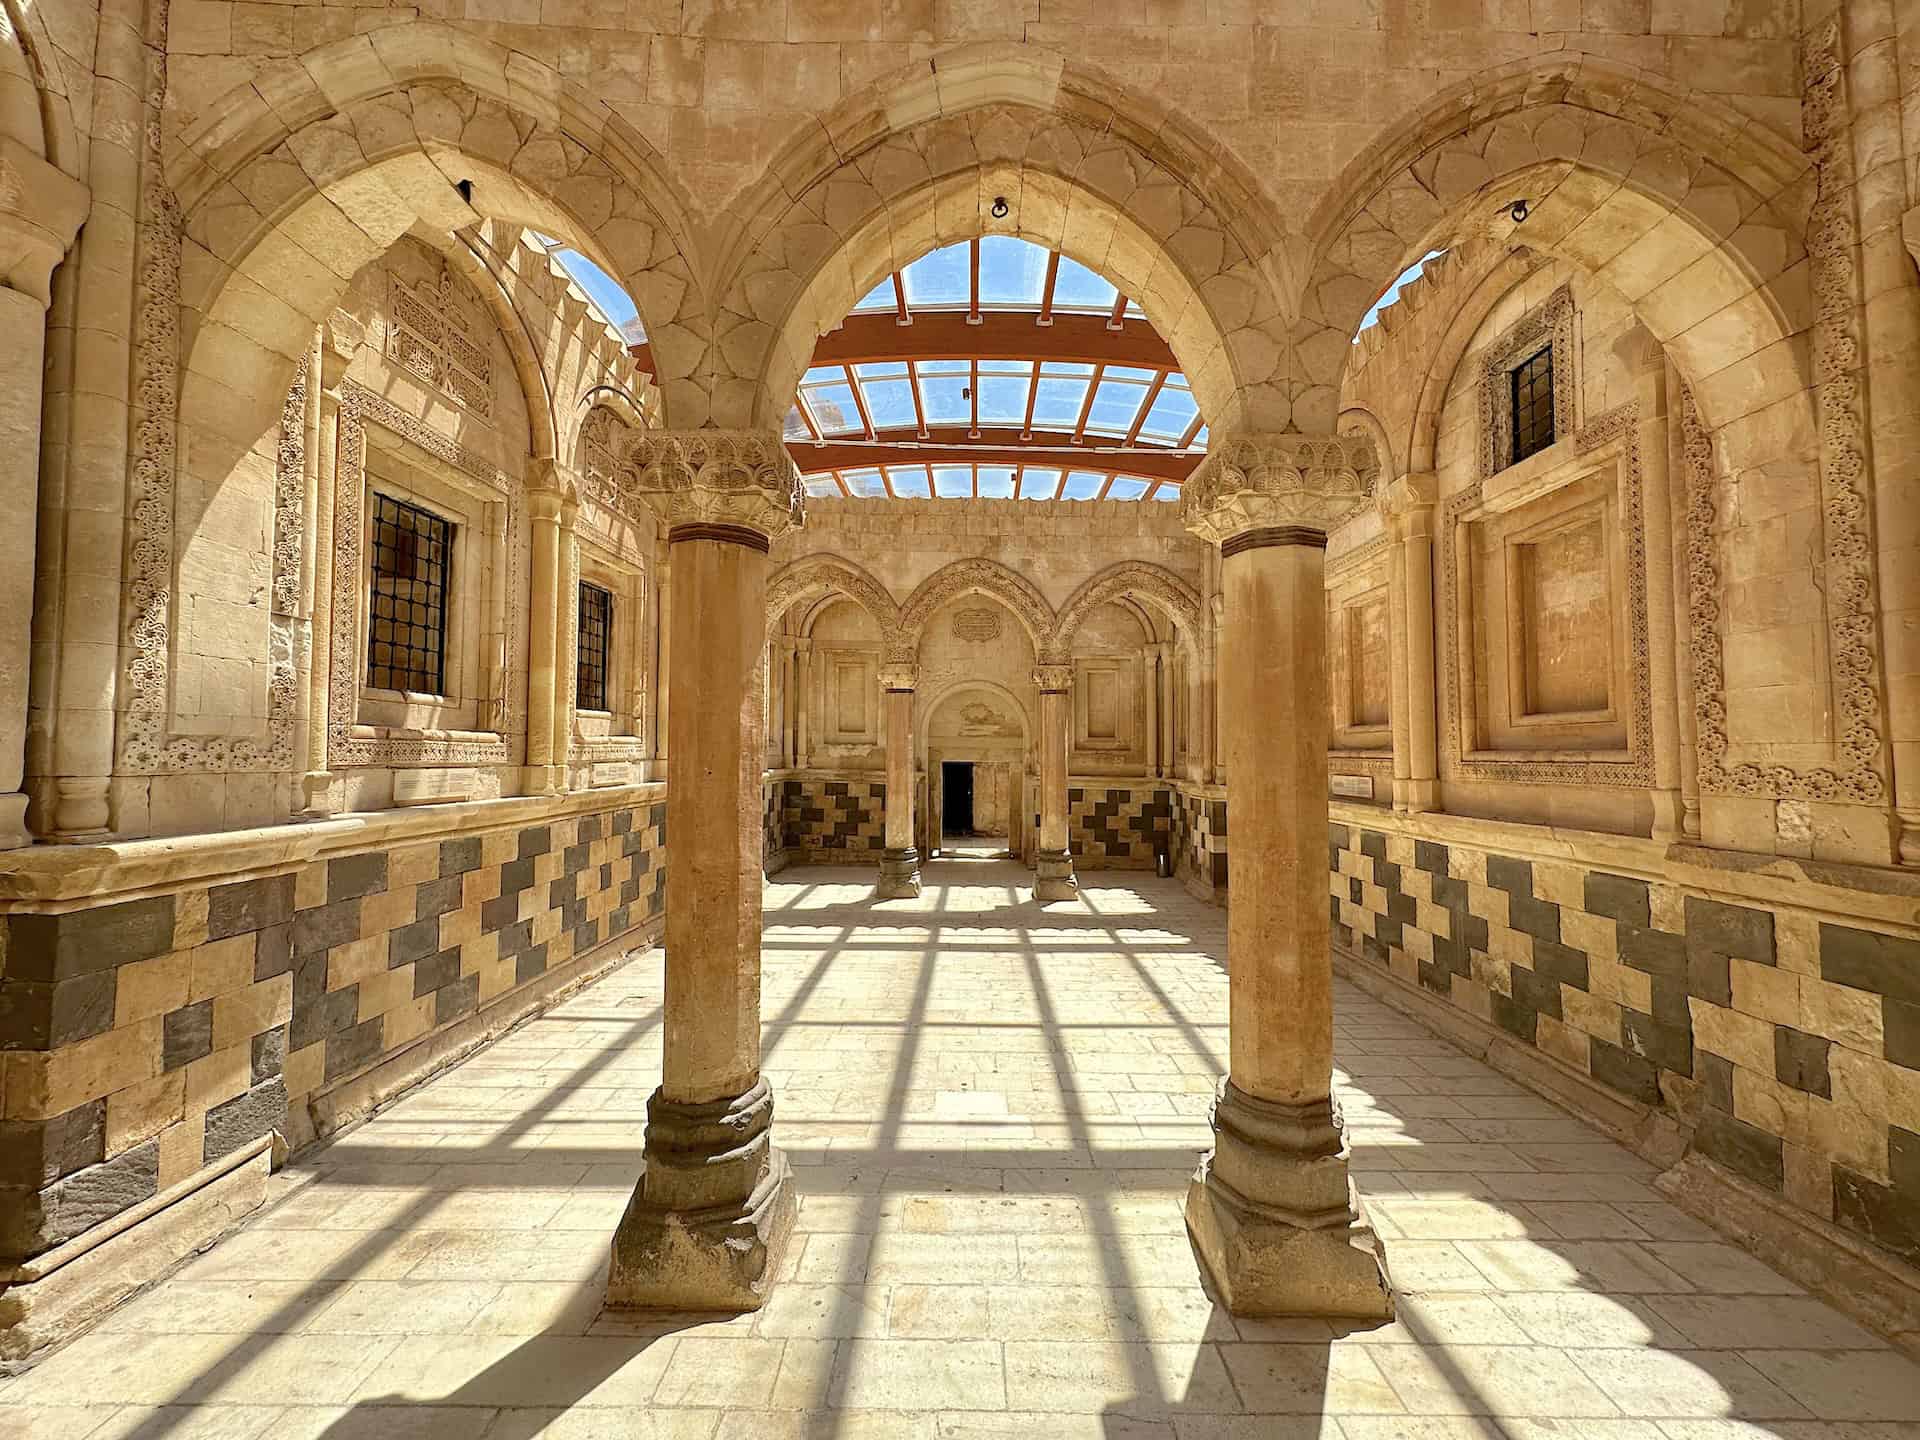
(1053, 877)
(710, 1218)
(1275, 1219)
(316, 789)
(899, 875)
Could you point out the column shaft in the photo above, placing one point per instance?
(543, 605)
(1398, 667)
(336, 352)
(1150, 686)
(1053, 865)
(566, 614)
(900, 862)
(23, 320)
(1422, 701)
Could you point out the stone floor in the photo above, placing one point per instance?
(993, 1109)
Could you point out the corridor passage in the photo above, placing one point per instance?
(993, 1109)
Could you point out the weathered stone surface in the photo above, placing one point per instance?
(77, 942)
(249, 905)
(246, 1117)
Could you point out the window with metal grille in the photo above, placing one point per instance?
(407, 609)
(596, 632)
(1533, 405)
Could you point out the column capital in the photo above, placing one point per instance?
(341, 337)
(41, 208)
(1285, 488)
(1053, 679)
(1407, 504)
(898, 675)
(738, 485)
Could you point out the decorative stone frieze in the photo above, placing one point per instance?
(1053, 679)
(1278, 482)
(736, 478)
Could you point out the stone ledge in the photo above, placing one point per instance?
(1877, 1290)
(131, 868)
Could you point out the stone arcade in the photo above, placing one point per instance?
(673, 678)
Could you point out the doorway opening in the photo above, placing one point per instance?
(956, 799)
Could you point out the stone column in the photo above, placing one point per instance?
(1053, 865)
(663, 667)
(1272, 1210)
(803, 703)
(1410, 506)
(1150, 684)
(340, 340)
(1669, 814)
(566, 632)
(42, 210)
(714, 1207)
(543, 508)
(900, 862)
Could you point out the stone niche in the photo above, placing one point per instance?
(1544, 571)
(846, 660)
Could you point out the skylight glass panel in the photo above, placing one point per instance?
(878, 298)
(1003, 399)
(1172, 412)
(881, 369)
(1166, 490)
(890, 403)
(833, 409)
(1127, 487)
(866, 484)
(613, 303)
(1013, 272)
(953, 482)
(1056, 404)
(821, 486)
(795, 428)
(1115, 404)
(1199, 439)
(909, 481)
(1128, 372)
(944, 397)
(994, 482)
(1076, 287)
(1039, 484)
(823, 374)
(939, 279)
(1083, 485)
(1392, 292)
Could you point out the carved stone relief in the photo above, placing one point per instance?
(432, 334)
(1549, 323)
(977, 624)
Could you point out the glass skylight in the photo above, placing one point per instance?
(616, 307)
(1013, 276)
(1392, 293)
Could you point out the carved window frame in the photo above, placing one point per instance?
(1357, 749)
(608, 737)
(1550, 323)
(500, 722)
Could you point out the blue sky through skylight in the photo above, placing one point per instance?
(602, 289)
(1412, 272)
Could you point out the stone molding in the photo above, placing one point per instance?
(981, 576)
(1135, 579)
(741, 478)
(1278, 481)
(1550, 322)
(1620, 425)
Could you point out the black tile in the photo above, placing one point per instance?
(349, 877)
(81, 1007)
(1634, 1076)
(412, 942)
(269, 1053)
(1742, 1148)
(462, 997)
(1537, 992)
(439, 897)
(325, 926)
(272, 951)
(186, 1035)
(1562, 963)
(1868, 960)
(79, 942)
(537, 840)
(1506, 873)
(1619, 897)
(1800, 1060)
(1890, 1218)
(436, 971)
(1902, 1033)
(1538, 918)
(1670, 1047)
(245, 1117)
(459, 856)
(1430, 857)
(1735, 930)
(354, 1048)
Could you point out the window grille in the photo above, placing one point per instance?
(407, 630)
(596, 633)
(1533, 405)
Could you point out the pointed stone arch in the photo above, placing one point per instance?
(1137, 580)
(979, 576)
(919, 159)
(813, 576)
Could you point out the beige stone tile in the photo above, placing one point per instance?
(919, 1375)
(536, 1372)
(1490, 1380)
(1707, 1383)
(632, 1423)
(1154, 1379)
(1846, 1385)
(1339, 1379)
(720, 1371)
(404, 1307)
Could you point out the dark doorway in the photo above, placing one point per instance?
(956, 797)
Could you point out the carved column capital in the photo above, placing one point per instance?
(341, 337)
(1285, 488)
(1407, 504)
(718, 484)
(41, 209)
(896, 675)
(1053, 679)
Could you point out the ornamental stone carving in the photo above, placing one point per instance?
(1053, 679)
(1256, 482)
(897, 676)
(718, 477)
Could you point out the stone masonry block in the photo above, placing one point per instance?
(1800, 1060)
(351, 876)
(1634, 1076)
(1869, 960)
(1670, 1047)
(186, 1035)
(248, 906)
(459, 856)
(326, 926)
(269, 1053)
(51, 948)
(1729, 930)
(246, 1117)
(34, 1153)
(1506, 873)
(37, 1220)
(1619, 897)
(1742, 1148)
(1902, 1033)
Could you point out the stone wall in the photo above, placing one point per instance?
(1198, 822)
(1746, 1004)
(1118, 827)
(148, 1038)
(821, 814)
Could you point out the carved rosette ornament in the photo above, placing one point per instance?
(716, 481)
(1279, 483)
